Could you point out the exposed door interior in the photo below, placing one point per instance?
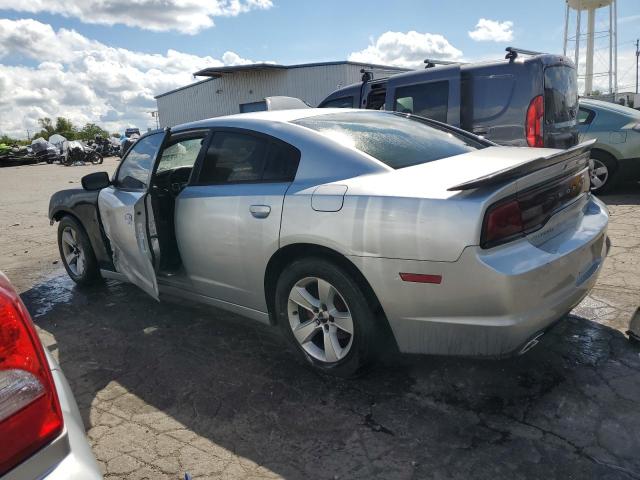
(172, 174)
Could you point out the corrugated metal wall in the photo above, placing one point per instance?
(222, 96)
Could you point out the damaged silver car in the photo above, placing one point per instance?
(347, 229)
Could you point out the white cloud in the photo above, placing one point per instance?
(85, 80)
(184, 16)
(492, 31)
(406, 49)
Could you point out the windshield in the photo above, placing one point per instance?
(560, 95)
(397, 140)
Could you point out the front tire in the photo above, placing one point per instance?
(76, 252)
(326, 317)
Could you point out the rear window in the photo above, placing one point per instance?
(396, 140)
(428, 100)
(342, 102)
(560, 95)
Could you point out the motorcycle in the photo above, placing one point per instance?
(75, 152)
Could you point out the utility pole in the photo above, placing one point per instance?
(637, 56)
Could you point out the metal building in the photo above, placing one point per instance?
(243, 88)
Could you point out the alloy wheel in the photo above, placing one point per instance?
(599, 174)
(73, 252)
(320, 320)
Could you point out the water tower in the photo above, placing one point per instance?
(611, 34)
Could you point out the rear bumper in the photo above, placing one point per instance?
(69, 456)
(491, 302)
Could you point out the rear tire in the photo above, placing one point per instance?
(336, 330)
(603, 172)
(76, 252)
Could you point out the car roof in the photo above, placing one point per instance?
(610, 107)
(248, 119)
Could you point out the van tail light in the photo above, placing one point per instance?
(529, 210)
(534, 121)
(30, 415)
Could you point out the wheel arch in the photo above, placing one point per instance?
(290, 253)
(89, 220)
(598, 150)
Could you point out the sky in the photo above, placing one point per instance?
(103, 61)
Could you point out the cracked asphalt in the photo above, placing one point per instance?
(166, 388)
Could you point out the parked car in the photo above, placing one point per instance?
(345, 227)
(520, 101)
(616, 153)
(41, 431)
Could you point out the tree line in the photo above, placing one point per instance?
(62, 126)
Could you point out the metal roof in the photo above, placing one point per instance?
(216, 72)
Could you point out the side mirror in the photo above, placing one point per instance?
(96, 181)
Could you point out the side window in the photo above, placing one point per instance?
(282, 163)
(134, 171)
(342, 102)
(585, 117)
(428, 100)
(376, 99)
(238, 157)
(180, 153)
(253, 107)
(233, 157)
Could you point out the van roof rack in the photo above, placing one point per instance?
(512, 53)
(430, 63)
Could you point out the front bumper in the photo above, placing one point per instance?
(491, 302)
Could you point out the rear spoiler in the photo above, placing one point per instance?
(525, 168)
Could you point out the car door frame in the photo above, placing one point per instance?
(449, 73)
(270, 139)
(152, 235)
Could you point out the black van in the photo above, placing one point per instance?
(527, 99)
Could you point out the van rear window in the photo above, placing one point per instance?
(428, 100)
(560, 95)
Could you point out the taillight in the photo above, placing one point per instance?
(529, 210)
(534, 121)
(30, 415)
(502, 222)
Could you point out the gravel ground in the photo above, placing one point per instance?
(166, 389)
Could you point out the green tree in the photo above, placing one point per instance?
(65, 127)
(47, 128)
(90, 130)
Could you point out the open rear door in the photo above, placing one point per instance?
(434, 93)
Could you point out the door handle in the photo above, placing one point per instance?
(260, 211)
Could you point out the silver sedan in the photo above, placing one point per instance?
(347, 229)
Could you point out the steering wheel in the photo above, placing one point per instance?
(178, 179)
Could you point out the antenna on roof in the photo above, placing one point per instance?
(512, 53)
(430, 63)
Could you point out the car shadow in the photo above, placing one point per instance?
(146, 374)
(625, 194)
